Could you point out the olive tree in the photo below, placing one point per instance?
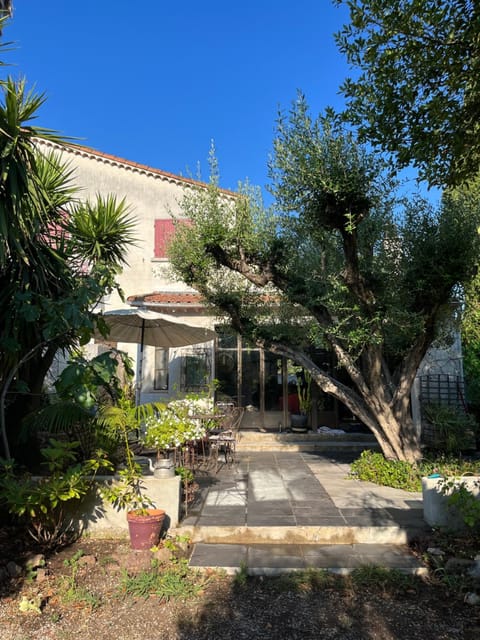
(339, 264)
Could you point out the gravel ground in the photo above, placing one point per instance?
(81, 592)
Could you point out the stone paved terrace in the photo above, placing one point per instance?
(282, 510)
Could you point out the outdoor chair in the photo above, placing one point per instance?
(223, 445)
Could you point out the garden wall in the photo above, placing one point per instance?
(100, 519)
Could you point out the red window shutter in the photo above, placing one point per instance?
(164, 230)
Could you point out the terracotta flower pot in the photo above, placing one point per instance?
(145, 527)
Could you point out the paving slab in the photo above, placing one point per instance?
(293, 510)
(271, 559)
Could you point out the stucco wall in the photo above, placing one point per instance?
(151, 194)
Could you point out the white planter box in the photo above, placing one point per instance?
(436, 510)
(100, 519)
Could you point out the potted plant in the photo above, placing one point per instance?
(144, 520)
(299, 421)
(177, 427)
(173, 428)
(452, 502)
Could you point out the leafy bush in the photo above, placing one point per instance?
(372, 466)
(43, 503)
(81, 388)
(450, 430)
(463, 500)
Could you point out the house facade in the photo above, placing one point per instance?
(252, 377)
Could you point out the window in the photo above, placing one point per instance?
(196, 371)
(160, 381)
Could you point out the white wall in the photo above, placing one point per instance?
(151, 194)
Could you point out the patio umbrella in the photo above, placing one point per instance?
(145, 327)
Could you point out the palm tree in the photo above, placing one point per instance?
(6, 7)
(6, 10)
(58, 256)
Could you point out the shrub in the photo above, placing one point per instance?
(374, 467)
(43, 503)
(463, 500)
(449, 429)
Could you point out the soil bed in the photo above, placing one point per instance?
(88, 591)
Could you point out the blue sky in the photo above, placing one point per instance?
(155, 82)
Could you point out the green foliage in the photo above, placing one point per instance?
(373, 467)
(463, 500)
(344, 264)
(44, 503)
(448, 466)
(33, 604)
(471, 339)
(375, 577)
(70, 591)
(416, 94)
(173, 582)
(81, 388)
(186, 474)
(89, 381)
(471, 368)
(58, 455)
(173, 425)
(101, 230)
(54, 267)
(453, 429)
(176, 543)
(342, 177)
(121, 420)
(307, 581)
(455, 583)
(128, 493)
(73, 561)
(240, 578)
(304, 392)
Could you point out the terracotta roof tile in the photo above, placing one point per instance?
(106, 157)
(168, 299)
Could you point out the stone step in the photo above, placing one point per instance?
(318, 534)
(274, 559)
(257, 441)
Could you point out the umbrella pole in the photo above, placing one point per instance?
(140, 365)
